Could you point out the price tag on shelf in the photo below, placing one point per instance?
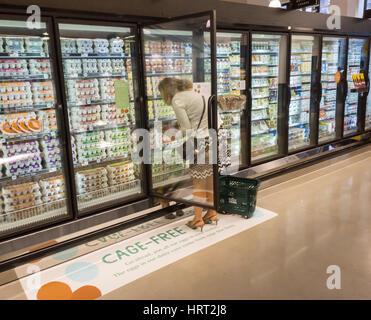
(88, 101)
(14, 177)
(84, 163)
(3, 140)
(84, 54)
(98, 160)
(90, 128)
(52, 169)
(46, 76)
(13, 54)
(42, 54)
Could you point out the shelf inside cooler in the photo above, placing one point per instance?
(40, 77)
(111, 193)
(4, 55)
(26, 109)
(27, 217)
(45, 135)
(96, 76)
(55, 171)
(166, 73)
(103, 127)
(94, 56)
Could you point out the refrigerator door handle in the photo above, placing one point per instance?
(210, 109)
(368, 86)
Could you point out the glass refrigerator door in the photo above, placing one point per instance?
(231, 88)
(333, 61)
(266, 57)
(356, 63)
(99, 83)
(176, 51)
(303, 51)
(368, 106)
(31, 167)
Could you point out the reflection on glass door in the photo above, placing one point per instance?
(231, 90)
(356, 63)
(266, 53)
(178, 52)
(302, 52)
(333, 61)
(31, 168)
(97, 65)
(368, 106)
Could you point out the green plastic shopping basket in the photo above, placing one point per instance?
(238, 195)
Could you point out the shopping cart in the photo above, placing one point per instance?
(238, 195)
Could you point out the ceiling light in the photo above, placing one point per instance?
(275, 4)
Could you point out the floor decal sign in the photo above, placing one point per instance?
(102, 271)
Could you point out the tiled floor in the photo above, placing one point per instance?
(324, 218)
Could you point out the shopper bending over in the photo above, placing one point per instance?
(188, 107)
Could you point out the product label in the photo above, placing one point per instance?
(122, 98)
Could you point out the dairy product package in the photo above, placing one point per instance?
(14, 45)
(15, 94)
(13, 68)
(52, 152)
(72, 66)
(18, 124)
(68, 46)
(34, 45)
(116, 45)
(101, 46)
(90, 66)
(84, 46)
(83, 117)
(40, 67)
(83, 91)
(43, 92)
(118, 66)
(105, 66)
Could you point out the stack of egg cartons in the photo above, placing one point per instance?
(72, 66)
(101, 46)
(15, 94)
(34, 45)
(90, 147)
(49, 120)
(68, 46)
(121, 172)
(83, 91)
(118, 66)
(74, 152)
(105, 66)
(52, 189)
(29, 162)
(43, 92)
(52, 152)
(20, 197)
(39, 66)
(91, 180)
(15, 45)
(111, 114)
(90, 66)
(83, 117)
(1, 45)
(84, 46)
(107, 89)
(116, 45)
(121, 142)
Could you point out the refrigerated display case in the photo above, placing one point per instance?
(32, 165)
(333, 61)
(356, 65)
(368, 103)
(267, 52)
(303, 50)
(99, 89)
(231, 51)
(178, 49)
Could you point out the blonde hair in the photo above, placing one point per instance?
(168, 87)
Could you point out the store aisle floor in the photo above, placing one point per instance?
(324, 218)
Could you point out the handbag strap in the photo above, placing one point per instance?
(203, 112)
